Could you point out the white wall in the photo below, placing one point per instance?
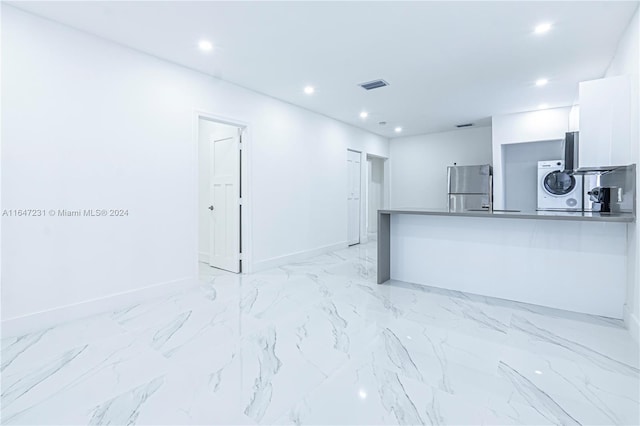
(520, 171)
(419, 164)
(531, 126)
(627, 62)
(116, 129)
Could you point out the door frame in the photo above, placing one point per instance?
(246, 231)
(362, 236)
(384, 202)
(385, 186)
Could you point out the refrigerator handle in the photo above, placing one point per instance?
(449, 188)
(490, 206)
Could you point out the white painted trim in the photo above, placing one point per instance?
(632, 323)
(363, 199)
(18, 326)
(364, 191)
(274, 262)
(203, 257)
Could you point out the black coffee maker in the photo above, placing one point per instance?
(603, 196)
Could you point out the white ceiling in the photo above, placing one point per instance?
(446, 62)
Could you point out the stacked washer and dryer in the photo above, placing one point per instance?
(557, 189)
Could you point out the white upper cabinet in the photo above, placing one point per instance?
(605, 122)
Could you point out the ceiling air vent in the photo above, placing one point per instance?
(459, 126)
(370, 85)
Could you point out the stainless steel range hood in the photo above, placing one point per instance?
(571, 150)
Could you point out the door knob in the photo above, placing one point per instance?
(210, 207)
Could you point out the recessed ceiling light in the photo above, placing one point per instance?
(309, 90)
(205, 45)
(543, 106)
(542, 28)
(398, 129)
(541, 82)
(364, 114)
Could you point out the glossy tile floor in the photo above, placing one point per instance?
(319, 343)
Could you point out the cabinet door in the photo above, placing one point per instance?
(605, 122)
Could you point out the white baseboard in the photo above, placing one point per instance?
(274, 262)
(19, 326)
(632, 323)
(203, 257)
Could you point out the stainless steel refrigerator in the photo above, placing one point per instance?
(470, 188)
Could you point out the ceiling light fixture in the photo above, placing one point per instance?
(541, 82)
(309, 90)
(398, 129)
(542, 28)
(205, 45)
(364, 114)
(543, 106)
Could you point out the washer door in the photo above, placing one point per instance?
(559, 183)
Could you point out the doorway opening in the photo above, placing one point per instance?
(353, 197)
(376, 198)
(220, 194)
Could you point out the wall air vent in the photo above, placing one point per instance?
(370, 85)
(459, 126)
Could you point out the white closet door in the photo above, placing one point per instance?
(353, 197)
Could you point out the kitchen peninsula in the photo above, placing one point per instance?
(572, 261)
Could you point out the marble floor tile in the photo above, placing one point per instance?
(64, 387)
(319, 342)
(20, 353)
(193, 395)
(612, 398)
(365, 394)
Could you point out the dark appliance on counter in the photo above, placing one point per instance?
(602, 197)
(611, 191)
(470, 188)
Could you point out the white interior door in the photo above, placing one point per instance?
(224, 194)
(353, 197)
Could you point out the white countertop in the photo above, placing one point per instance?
(538, 215)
